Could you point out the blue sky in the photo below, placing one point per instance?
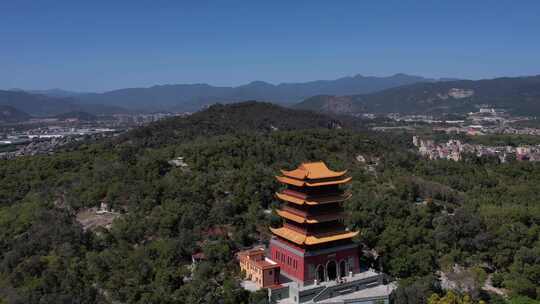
(102, 45)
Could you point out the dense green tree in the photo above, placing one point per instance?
(417, 216)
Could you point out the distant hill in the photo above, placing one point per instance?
(234, 118)
(519, 95)
(12, 115)
(36, 104)
(42, 105)
(78, 115)
(192, 97)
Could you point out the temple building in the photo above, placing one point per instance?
(311, 257)
(313, 244)
(258, 268)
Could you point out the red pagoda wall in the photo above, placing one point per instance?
(297, 266)
(289, 262)
(337, 256)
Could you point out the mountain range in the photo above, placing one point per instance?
(399, 93)
(41, 105)
(193, 97)
(518, 95)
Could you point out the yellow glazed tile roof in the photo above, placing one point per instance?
(334, 182)
(319, 239)
(314, 170)
(302, 239)
(289, 234)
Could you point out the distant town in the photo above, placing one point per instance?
(43, 135)
(455, 149)
(487, 121)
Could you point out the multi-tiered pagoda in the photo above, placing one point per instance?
(313, 244)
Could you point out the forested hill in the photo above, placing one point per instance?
(237, 118)
(419, 216)
(36, 104)
(519, 95)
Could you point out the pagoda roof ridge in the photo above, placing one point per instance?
(313, 171)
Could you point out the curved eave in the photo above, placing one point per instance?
(328, 174)
(290, 181)
(317, 239)
(328, 183)
(297, 173)
(313, 202)
(302, 239)
(302, 174)
(300, 183)
(290, 198)
(290, 235)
